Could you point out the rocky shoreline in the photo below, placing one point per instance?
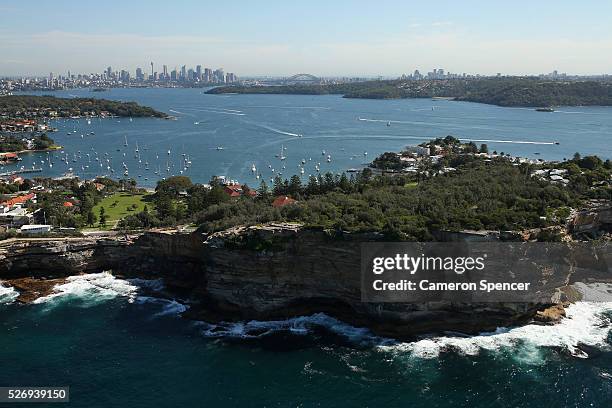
(276, 271)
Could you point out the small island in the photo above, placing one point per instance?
(508, 92)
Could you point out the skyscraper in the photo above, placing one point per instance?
(219, 75)
(199, 72)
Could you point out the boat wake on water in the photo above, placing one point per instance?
(280, 132)
(388, 122)
(217, 110)
(508, 141)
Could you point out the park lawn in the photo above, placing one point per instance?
(120, 205)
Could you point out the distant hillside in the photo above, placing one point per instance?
(527, 92)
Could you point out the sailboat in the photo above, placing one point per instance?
(282, 153)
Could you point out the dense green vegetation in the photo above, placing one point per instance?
(529, 92)
(495, 195)
(25, 106)
(13, 143)
(299, 89)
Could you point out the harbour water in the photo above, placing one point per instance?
(229, 134)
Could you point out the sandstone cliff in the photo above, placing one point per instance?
(269, 272)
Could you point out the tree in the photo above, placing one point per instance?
(295, 186)
(312, 188)
(279, 187)
(91, 218)
(264, 191)
(590, 162)
(165, 206)
(102, 217)
(484, 148)
(173, 185)
(344, 183)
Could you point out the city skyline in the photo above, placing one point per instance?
(389, 38)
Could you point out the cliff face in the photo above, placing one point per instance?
(271, 272)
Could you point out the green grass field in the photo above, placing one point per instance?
(119, 205)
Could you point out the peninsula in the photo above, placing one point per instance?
(49, 107)
(510, 92)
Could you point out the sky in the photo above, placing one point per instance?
(324, 38)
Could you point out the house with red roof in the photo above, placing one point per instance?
(283, 201)
(18, 200)
(236, 190)
(8, 157)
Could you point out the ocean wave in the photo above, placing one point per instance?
(168, 306)
(302, 325)
(155, 285)
(90, 289)
(8, 294)
(585, 324)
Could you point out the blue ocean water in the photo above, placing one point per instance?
(253, 129)
(114, 347)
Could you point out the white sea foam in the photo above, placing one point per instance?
(297, 325)
(8, 294)
(90, 289)
(585, 324)
(168, 306)
(155, 285)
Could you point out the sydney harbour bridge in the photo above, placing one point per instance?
(302, 79)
